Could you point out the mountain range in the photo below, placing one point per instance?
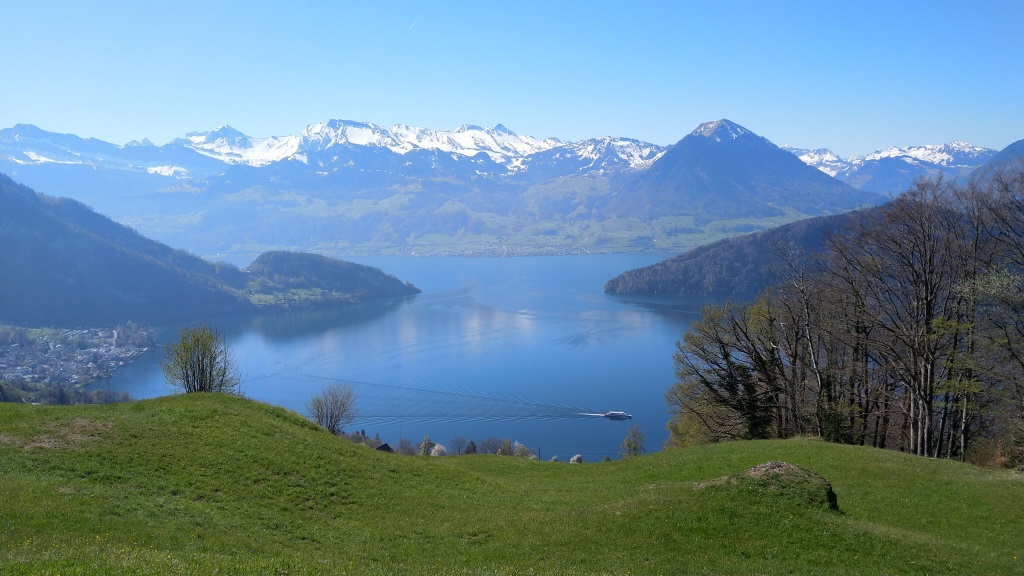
(201, 154)
(743, 265)
(345, 187)
(894, 169)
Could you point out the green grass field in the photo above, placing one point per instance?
(209, 484)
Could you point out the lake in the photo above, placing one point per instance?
(517, 348)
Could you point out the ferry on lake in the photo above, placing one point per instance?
(617, 415)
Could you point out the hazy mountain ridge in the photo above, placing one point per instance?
(65, 265)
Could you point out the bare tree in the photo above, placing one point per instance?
(334, 408)
(880, 341)
(458, 445)
(199, 361)
(490, 445)
(405, 447)
(907, 262)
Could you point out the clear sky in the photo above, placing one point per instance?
(853, 76)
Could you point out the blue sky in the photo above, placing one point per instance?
(850, 76)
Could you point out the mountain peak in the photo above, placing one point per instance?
(224, 132)
(720, 130)
(500, 129)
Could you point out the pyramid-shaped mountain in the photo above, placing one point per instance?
(722, 170)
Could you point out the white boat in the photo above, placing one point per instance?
(616, 415)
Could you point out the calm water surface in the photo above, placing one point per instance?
(515, 348)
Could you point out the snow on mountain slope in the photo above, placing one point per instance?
(637, 155)
(720, 130)
(595, 155)
(955, 154)
(231, 146)
(500, 143)
(823, 159)
(204, 153)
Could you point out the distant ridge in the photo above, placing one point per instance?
(737, 266)
(64, 265)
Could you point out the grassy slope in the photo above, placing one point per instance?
(200, 484)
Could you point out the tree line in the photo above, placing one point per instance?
(907, 333)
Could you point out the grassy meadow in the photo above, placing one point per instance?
(212, 484)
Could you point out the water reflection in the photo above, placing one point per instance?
(510, 348)
(287, 325)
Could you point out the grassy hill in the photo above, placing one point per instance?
(205, 484)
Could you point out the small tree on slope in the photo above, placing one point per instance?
(199, 361)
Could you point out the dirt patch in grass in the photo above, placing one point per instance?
(64, 435)
(5, 439)
(774, 467)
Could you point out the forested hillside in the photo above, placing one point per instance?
(906, 332)
(291, 271)
(65, 265)
(741, 265)
(61, 264)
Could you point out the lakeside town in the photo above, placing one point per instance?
(73, 358)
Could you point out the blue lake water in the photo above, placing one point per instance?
(515, 348)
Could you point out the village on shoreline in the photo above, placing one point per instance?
(69, 357)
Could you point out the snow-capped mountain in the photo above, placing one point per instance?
(723, 170)
(956, 154)
(720, 130)
(26, 144)
(233, 147)
(894, 169)
(500, 143)
(823, 159)
(604, 155)
(341, 186)
(608, 152)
